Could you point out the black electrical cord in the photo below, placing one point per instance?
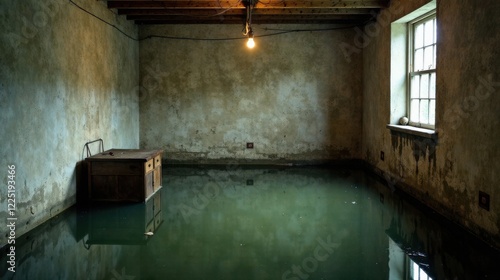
(190, 38)
(283, 31)
(279, 31)
(108, 23)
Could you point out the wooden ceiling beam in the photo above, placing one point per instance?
(256, 12)
(233, 11)
(224, 4)
(236, 21)
(255, 20)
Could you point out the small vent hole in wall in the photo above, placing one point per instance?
(484, 200)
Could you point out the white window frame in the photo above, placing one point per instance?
(421, 72)
(414, 271)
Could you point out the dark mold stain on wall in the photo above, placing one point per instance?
(422, 148)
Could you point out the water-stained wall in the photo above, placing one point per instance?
(294, 95)
(66, 78)
(447, 174)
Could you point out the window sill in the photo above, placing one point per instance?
(417, 131)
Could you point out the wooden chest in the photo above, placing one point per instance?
(124, 175)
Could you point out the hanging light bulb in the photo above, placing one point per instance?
(248, 23)
(250, 42)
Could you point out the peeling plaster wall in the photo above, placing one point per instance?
(66, 78)
(447, 176)
(294, 95)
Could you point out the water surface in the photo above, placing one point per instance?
(254, 223)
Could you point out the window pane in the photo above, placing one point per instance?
(429, 32)
(415, 87)
(429, 58)
(423, 275)
(435, 57)
(432, 86)
(424, 86)
(414, 110)
(424, 111)
(418, 60)
(415, 270)
(435, 30)
(422, 76)
(432, 112)
(419, 36)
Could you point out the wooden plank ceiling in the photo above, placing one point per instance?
(235, 11)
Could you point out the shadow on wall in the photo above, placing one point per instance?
(81, 169)
(81, 173)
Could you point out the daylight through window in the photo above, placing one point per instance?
(422, 71)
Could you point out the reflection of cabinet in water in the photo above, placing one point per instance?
(124, 175)
(122, 223)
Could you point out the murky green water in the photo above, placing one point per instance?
(250, 223)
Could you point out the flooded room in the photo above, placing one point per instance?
(249, 139)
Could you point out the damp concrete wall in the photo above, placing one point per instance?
(294, 95)
(446, 174)
(66, 78)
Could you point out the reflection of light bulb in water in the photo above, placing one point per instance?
(250, 43)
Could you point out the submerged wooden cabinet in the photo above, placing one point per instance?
(124, 175)
(122, 223)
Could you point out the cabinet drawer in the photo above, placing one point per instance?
(116, 168)
(117, 188)
(157, 160)
(148, 188)
(157, 178)
(148, 166)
